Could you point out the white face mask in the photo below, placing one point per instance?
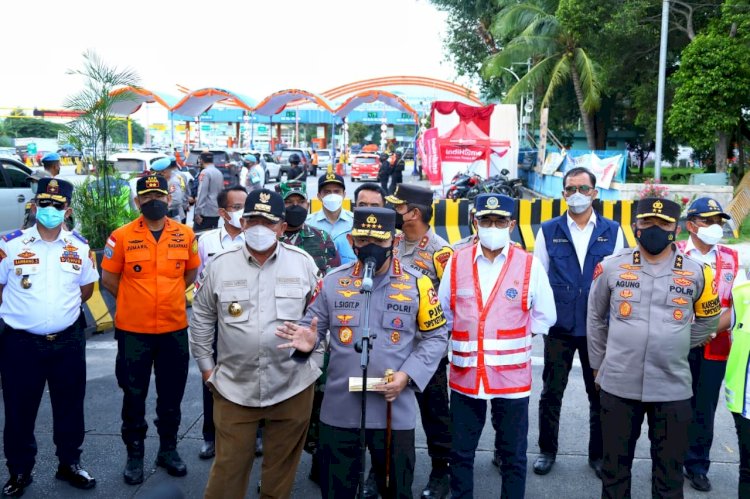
(493, 238)
(260, 237)
(578, 203)
(711, 234)
(235, 219)
(332, 202)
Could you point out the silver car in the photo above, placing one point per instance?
(15, 192)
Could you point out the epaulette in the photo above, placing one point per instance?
(78, 236)
(12, 235)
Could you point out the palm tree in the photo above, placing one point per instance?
(536, 33)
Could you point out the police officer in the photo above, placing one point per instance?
(250, 290)
(315, 242)
(708, 362)
(231, 203)
(210, 184)
(147, 265)
(403, 303)
(384, 172)
(296, 172)
(46, 273)
(491, 343)
(420, 249)
(569, 247)
(178, 205)
(647, 307)
(254, 174)
(397, 171)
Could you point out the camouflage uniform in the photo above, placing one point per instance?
(317, 244)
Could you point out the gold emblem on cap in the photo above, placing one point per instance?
(53, 187)
(264, 197)
(712, 204)
(234, 309)
(372, 219)
(152, 182)
(492, 202)
(658, 205)
(330, 176)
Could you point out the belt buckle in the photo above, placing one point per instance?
(51, 337)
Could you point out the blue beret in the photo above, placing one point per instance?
(494, 204)
(50, 156)
(161, 164)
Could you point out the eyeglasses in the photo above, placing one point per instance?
(583, 189)
(500, 223)
(45, 203)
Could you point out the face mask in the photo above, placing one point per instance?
(260, 237)
(154, 210)
(578, 203)
(332, 202)
(654, 239)
(50, 216)
(711, 234)
(235, 219)
(493, 238)
(296, 216)
(399, 221)
(372, 250)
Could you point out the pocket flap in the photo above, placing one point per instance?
(177, 254)
(289, 292)
(137, 256)
(234, 294)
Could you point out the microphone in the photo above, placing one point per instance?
(369, 271)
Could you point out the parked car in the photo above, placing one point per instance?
(134, 162)
(282, 158)
(324, 159)
(272, 167)
(15, 192)
(365, 167)
(68, 151)
(10, 152)
(229, 168)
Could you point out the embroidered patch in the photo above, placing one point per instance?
(345, 335)
(432, 296)
(357, 283)
(511, 293)
(399, 297)
(598, 270)
(347, 294)
(729, 277)
(626, 293)
(344, 319)
(627, 266)
(679, 300)
(397, 322)
(424, 254)
(678, 314)
(395, 337)
(345, 281)
(681, 281)
(400, 287)
(629, 276)
(421, 264)
(625, 309)
(685, 273)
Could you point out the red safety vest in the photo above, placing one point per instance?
(727, 266)
(490, 341)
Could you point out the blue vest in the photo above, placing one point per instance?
(569, 285)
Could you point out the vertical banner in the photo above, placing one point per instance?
(543, 124)
(431, 157)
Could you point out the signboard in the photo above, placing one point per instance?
(372, 114)
(461, 153)
(31, 148)
(290, 114)
(430, 156)
(205, 128)
(262, 129)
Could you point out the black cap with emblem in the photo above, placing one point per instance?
(152, 183)
(330, 178)
(411, 194)
(264, 203)
(374, 222)
(658, 207)
(54, 189)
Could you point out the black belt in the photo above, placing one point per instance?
(43, 337)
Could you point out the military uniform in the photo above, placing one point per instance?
(317, 244)
(642, 320)
(403, 304)
(428, 257)
(43, 342)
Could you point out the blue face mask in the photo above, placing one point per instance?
(50, 216)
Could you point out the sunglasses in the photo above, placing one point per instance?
(583, 189)
(45, 203)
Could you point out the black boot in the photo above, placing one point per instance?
(371, 486)
(169, 459)
(133, 473)
(438, 487)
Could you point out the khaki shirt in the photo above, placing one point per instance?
(249, 302)
(642, 321)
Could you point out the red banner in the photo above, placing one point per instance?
(431, 165)
(462, 153)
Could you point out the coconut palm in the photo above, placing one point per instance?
(536, 33)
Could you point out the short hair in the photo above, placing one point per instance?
(223, 198)
(578, 170)
(425, 210)
(370, 186)
(207, 157)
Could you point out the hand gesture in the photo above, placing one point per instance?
(299, 337)
(392, 390)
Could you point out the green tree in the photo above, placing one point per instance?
(357, 133)
(713, 86)
(120, 132)
(32, 127)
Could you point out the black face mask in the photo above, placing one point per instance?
(154, 210)
(296, 216)
(372, 250)
(399, 221)
(655, 239)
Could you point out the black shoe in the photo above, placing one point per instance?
(314, 474)
(438, 487)
(371, 486)
(133, 473)
(698, 481)
(596, 465)
(172, 462)
(16, 485)
(543, 464)
(76, 476)
(208, 449)
(258, 446)
(496, 461)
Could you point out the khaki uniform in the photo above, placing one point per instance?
(640, 324)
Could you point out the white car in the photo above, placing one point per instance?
(15, 192)
(272, 167)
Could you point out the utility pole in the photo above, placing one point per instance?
(662, 83)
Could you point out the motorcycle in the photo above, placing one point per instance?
(469, 187)
(461, 184)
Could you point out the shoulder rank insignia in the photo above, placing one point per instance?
(636, 257)
(12, 235)
(78, 236)
(678, 262)
(423, 242)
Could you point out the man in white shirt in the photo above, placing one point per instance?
(495, 297)
(569, 247)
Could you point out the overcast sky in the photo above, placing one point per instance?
(251, 47)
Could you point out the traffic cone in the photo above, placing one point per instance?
(29, 163)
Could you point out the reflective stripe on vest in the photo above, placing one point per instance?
(490, 342)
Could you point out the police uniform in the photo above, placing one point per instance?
(43, 342)
(428, 257)
(403, 304)
(494, 307)
(643, 318)
(252, 379)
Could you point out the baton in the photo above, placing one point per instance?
(388, 405)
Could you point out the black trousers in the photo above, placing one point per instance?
(436, 419)
(341, 458)
(558, 360)
(742, 425)
(667, 430)
(137, 354)
(28, 362)
(207, 223)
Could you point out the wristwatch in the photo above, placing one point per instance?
(409, 381)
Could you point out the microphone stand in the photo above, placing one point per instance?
(363, 346)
